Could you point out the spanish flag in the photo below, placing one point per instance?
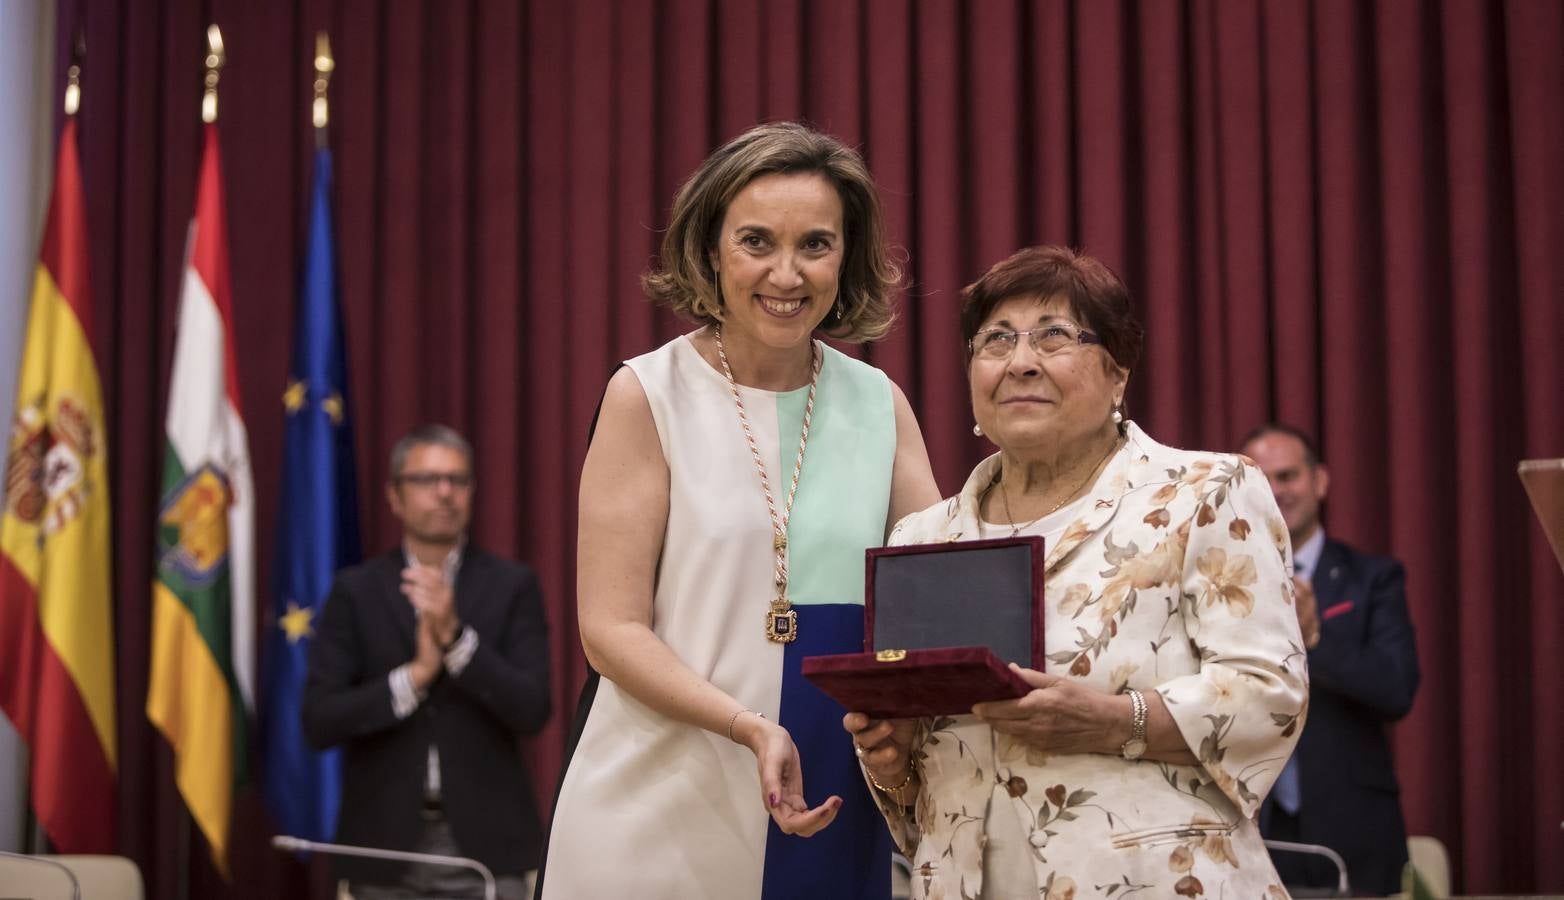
(56, 620)
(201, 689)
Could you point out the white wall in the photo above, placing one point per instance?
(27, 116)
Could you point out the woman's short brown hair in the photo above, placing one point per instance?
(1098, 299)
(685, 280)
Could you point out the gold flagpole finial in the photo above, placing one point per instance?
(215, 57)
(324, 65)
(73, 89)
(73, 74)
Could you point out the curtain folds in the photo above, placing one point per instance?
(1346, 215)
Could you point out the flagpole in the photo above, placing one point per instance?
(317, 511)
(33, 833)
(215, 58)
(58, 689)
(182, 852)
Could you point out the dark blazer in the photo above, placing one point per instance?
(367, 629)
(1362, 677)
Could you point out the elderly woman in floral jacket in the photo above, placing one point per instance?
(1176, 685)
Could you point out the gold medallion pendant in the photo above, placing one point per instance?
(781, 622)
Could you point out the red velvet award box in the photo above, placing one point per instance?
(941, 622)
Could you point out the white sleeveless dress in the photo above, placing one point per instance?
(653, 808)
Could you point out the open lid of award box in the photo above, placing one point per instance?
(941, 624)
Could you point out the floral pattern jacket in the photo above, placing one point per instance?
(1175, 578)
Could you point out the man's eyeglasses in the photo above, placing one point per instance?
(459, 481)
(1045, 340)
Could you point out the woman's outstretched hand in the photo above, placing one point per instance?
(782, 779)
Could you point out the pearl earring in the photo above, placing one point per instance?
(977, 430)
(1118, 417)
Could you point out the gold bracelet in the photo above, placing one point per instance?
(876, 782)
(895, 790)
(912, 769)
(735, 717)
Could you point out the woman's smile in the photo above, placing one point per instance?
(782, 307)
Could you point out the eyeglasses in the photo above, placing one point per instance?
(1045, 340)
(458, 481)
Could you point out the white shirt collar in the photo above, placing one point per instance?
(1306, 559)
(448, 566)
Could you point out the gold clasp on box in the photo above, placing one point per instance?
(890, 656)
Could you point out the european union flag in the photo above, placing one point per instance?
(317, 532)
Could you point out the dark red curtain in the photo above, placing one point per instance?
(1343, 214)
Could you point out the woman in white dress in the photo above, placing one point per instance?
(734, 480)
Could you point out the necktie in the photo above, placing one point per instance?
(1287, 791)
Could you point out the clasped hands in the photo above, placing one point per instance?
(437, 625)
(1307, 609)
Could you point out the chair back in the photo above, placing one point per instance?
(100, 877)
(1426, 855)
(1342, 888)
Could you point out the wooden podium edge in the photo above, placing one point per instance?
(1543, 480)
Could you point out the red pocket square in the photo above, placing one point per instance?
(1340, 609)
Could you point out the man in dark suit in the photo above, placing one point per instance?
(429, 664)
(1339, 789)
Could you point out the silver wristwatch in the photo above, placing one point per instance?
(1136, 745)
